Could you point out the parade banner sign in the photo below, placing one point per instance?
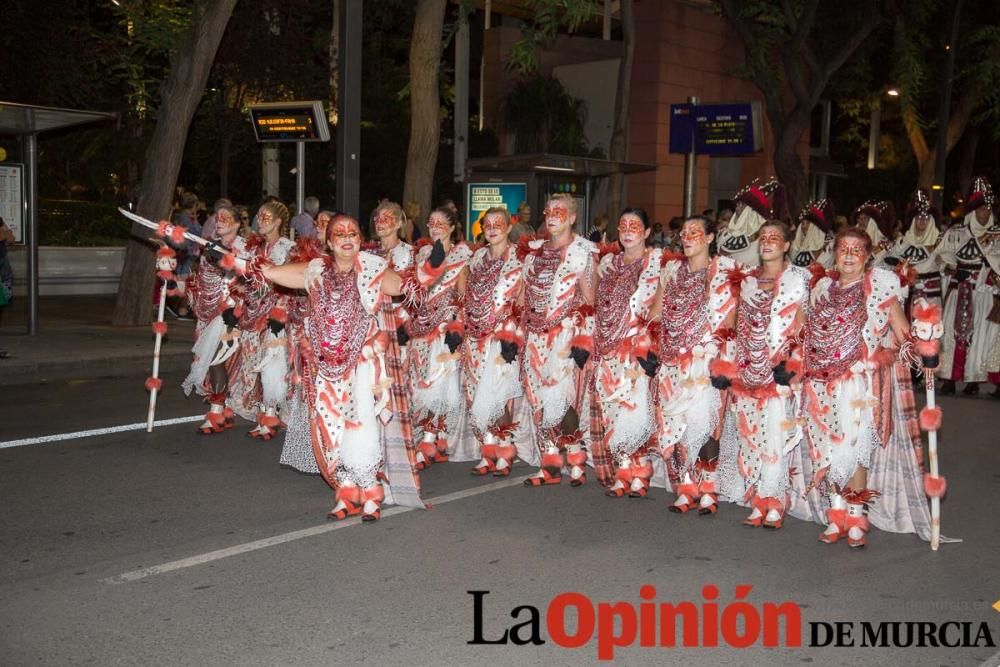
(480, 197)
(289, 121)
(12, 199)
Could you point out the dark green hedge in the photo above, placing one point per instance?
(80, 224)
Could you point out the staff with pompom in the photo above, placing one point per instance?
(927, 331)
(166, 264)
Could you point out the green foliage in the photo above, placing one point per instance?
(549, 17)
(81, 224)
(545, 118)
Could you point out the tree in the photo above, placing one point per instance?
(425, 109)
(784, 43)
(921, 33)
(180, 95)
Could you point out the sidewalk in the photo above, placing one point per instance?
(76, 341)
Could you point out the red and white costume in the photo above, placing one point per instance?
(259, 386)
(917, 253)
(813, 242)
(695, 307)
(213, 290)
(969, 348)
(763, 428)
(555, 319)
(491, 383)
(352, 398)
(622, 405)
(434, 371)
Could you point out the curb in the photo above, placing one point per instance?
(14, 373)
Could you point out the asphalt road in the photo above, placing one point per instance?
(174, 549)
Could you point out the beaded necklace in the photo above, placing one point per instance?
(685, 313)
(617, 286)
(338, 323)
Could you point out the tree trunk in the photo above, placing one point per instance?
(787, 165)
(225, 149)
(618, 150)
(425, 121)
(334, 58)
(180, 94)
(967, 160)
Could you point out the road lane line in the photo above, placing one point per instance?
(59, 437)
(256, 545)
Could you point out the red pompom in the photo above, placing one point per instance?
(925, 311)
(927, 348)
(455, 326)
(165, 251)
(177, 235)
(278, 314)
(934, 487)
(583, 341)
(723, 368)
(228, 262)
(931, 418)
(162, 228)
(160, 328)
(153, 383)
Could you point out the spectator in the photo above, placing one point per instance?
(672, 242)
(658, 238)
(523, 224)
(185, 217)
(304, 223)
(725, 215)
(323, 218)
(244, 216)
(208, 229)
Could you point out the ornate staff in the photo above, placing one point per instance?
(927, 332)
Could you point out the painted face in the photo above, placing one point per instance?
(983, 215)
(771, 244)
(495, 228)
(438, 227)
(225, 223)
(345, 238)
(557, 218)
(267, 222)
(386, 223)
(631, 231)
(694, 240)
(852, 254)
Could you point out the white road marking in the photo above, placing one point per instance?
(44, 439)
(201, 559)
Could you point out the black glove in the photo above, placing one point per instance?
(930, 362)
(962, 275)
(580, 356)
(275, 326)
(650, 364)
(508, 350)
(452, 339)
(721, 382)
(402, 337)
(229, 317)
(782, 375)
(437, 255)
(171, 285)
(213, 252)
(891, 261)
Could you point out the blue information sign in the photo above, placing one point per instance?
(479, 197)
(716, 129)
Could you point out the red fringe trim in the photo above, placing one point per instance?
(349, 494)
(503, 432)
(724, 368)
(931, 313)
(818, 272)
(668, 256)
(931, 418)
(570, 439)
(455, 326)
(153, 383)
(860, 496)
(584, 310)
(612, 248)
(279, 314)
(935, 487)
(255, 241)
(307, 249)
(706, 466)
(160, 328)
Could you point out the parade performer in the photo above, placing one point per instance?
(854, 325)
(260, 385)
(493, 339)
(435, 332)
(878, 220)
(352, 407)
(622, 406)
(697, 309)
(214, 294)
(970, 252)
(814, 235)
(759, 375)
(557, 318)
(916, 251)
(755, 203)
